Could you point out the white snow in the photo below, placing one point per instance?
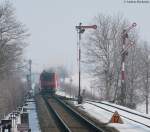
(134, 111)
(61, 92)
(105, 116)
(86, 81)
(33, 119)
(128, 128)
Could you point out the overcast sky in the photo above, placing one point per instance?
(51, 24)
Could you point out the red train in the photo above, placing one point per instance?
(49, 82)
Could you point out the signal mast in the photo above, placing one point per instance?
(123, 55)
(80, 30)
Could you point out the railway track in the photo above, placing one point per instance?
(138, 117)
(67, 119)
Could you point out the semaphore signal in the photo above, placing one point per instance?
(80, 30)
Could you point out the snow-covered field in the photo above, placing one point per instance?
(33, 119)
(105, 116)
(87, 85)
(127, 126)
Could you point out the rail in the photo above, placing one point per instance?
(90, 102)
(80, 123)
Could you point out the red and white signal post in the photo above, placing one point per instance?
(123, 55)
(80, 30)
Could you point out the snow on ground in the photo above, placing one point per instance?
(128, 128)
(105, 116)
(142, 108)
(61, 92)
(86, 81)
(33, 119)
(134, 111)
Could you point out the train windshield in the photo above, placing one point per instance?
(47, 76)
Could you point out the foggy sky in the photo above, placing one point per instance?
(51, 24)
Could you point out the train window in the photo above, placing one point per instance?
(48, 76)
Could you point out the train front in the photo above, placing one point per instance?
(49, 82)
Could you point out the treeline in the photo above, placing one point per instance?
(12, 42)
(102, 55)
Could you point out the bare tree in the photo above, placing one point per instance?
(12, 35)
(103, 48)
(145, 72)
(132, 75)
(12, 43)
